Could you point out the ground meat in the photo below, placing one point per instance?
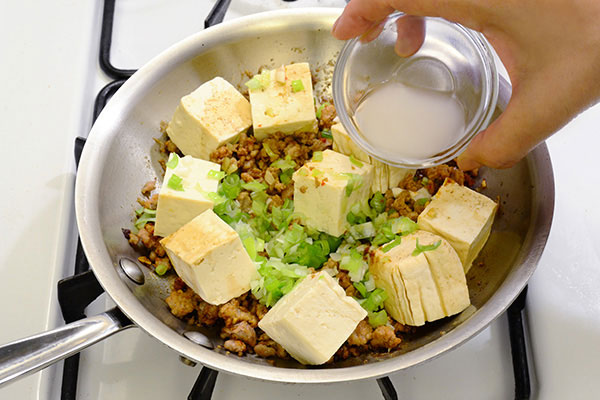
(245, 201)
(268, 346)
(264, 351)
(179, 284)
(207, 314)
(439, 173)
(232, 313)
(235, 346)
(346, 284)
(404, 205)
(258, 309)
(327, 116)
(148, 187)
(181, 303)
(165, 145)
(150, 203)
(384, 337)
(361, 335)
(240, 331)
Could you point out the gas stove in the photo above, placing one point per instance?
(496, 364)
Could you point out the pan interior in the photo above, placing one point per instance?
(133, 158)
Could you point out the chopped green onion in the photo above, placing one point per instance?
(354, 182)
(420, 249)
(425, 180)
(139, 211)
(218, 175)
(374, 300)
(422, 201)
(259, 81)
(303, 172)
(378, 318)
(161, 269)
(173, 161)
(231, 186)
(404, 225)
(326, 133)
(284, 164)
(143, 220)
(286, 176)
(361, 289)
(297, 85)
(377, 202)
(254, 186)
(354, 264)
(392, 244)
(269, 152)
(250, 246)
(216, 198)
(316, 173)
(362, 231)
(175, 183)
(356, 162)
(317, 156)
(253, 84)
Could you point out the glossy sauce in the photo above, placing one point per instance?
(410, 122)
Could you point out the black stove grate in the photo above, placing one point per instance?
(77, 292)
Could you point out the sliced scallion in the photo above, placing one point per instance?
(173, 161)
(326, 133)
(218, 175)
(175, 183)
(297, 85)
(161, 269)
(317, 156)
(421, 248)
(356, 162)
(392, 244)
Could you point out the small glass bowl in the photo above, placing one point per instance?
(452, 58)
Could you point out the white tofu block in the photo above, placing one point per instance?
(214, 114)
(461, 216)
(313, 320)
(320, 191)
(385, 176)
(210, 258)
(277, 108)
(421, 288)
(176, 208)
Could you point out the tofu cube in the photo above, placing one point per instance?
(424, 287)
(461, 216)
(385, 176)
(213, 114)
(313, 320)
(325, 191)
(175, 207)
(210, 258)
(279, 108)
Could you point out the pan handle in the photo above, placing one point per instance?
(26, 356)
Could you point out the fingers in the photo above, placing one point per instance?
(411, 34)
(361, 15)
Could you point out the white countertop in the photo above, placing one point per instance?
(46, 86)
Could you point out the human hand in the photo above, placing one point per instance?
(551, 51)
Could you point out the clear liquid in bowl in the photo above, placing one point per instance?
(410, 122)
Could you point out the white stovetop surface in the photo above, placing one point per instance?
(49, 77)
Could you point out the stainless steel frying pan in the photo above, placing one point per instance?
(120, 156)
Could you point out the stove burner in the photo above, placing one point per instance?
(75, 293)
